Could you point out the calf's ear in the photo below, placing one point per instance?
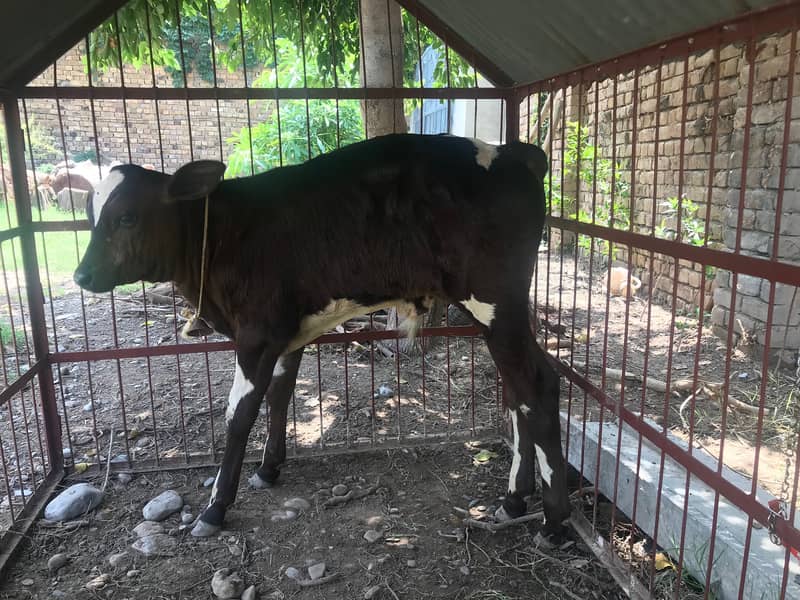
(195, 180)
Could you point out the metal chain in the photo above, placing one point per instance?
(782, 509)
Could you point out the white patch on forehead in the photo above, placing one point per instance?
(486, 153)
(103, 192)
(517, 460)
(482, 311)
(524, 409)
(240, 388)
(544, 466)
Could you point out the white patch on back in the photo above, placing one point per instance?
(524, 409)
(486, 153)
(240, 388)
(544, 466)
(103, 192)
(515, 462)
(339, 311)
(482, 311)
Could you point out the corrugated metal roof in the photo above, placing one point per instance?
(525, 40)
(531, 41)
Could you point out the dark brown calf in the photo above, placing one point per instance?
(397, 220)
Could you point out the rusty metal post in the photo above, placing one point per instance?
(16, 156)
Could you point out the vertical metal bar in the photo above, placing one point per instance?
(277, 84)
(247, 102)
(346, 396)
(750, 52)
(762, 392)
(16, 155)
(319, 396)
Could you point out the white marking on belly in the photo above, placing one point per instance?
(544, 466)
(339, 311)
(103, 192)
(240, 388)
(482, 311)
(524, 409)
(515, 462)
(486, 153)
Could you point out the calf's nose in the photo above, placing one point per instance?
(82, 278)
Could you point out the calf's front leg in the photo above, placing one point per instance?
(252, 377)
(279, 394)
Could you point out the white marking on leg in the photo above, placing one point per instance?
(515, 462)
(544, 466)
(103, 192)
(240, 388)
(482, 311)
(279, 368)
(524, 409)
(214, 489)
(486, 153)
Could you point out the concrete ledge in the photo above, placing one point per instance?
(765, 561)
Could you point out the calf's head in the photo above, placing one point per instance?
(135, 223)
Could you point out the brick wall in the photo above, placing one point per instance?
(147, 130)
(657, 173)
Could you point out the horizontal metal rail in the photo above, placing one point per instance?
(197, 348)
(241, 93)
(21, 382)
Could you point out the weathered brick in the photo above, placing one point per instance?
(783, 293)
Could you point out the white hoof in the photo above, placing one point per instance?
(203, 529)
(256, 483)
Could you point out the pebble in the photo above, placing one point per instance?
(133, 573)
(411, 563)
(187, 518)
(88, 408)
(120, 458)
(156, 544)
(372, 592)
(73, 502)
(146, 528)
(120, 559)
(316, 571)
(394, 511)
(249, 593)
(293, 573)
(384, 391)
(57, 561)
(372, 536)
(124, 478)
(474, 503)
(283, 515)
(226, 583)
(67, 452)
(58, 594)
(297, 504)
(162, 506)
(464, 570)
(27, 582)
(209, 482)
(99, 582)
(339, 489)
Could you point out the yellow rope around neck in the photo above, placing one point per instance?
(195, 325)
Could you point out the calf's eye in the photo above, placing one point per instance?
(127, 220)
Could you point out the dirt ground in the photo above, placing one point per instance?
(423, 553)
(168, 410)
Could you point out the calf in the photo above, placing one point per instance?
(396, 220)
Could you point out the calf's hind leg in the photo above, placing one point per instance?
(532, 386)
(279, 394)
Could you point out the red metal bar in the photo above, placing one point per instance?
(779, 272)
(16, 153)
(706, 474)
(251, 93)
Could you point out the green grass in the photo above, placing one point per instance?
(57, 252)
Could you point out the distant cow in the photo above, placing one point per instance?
(398, 220)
